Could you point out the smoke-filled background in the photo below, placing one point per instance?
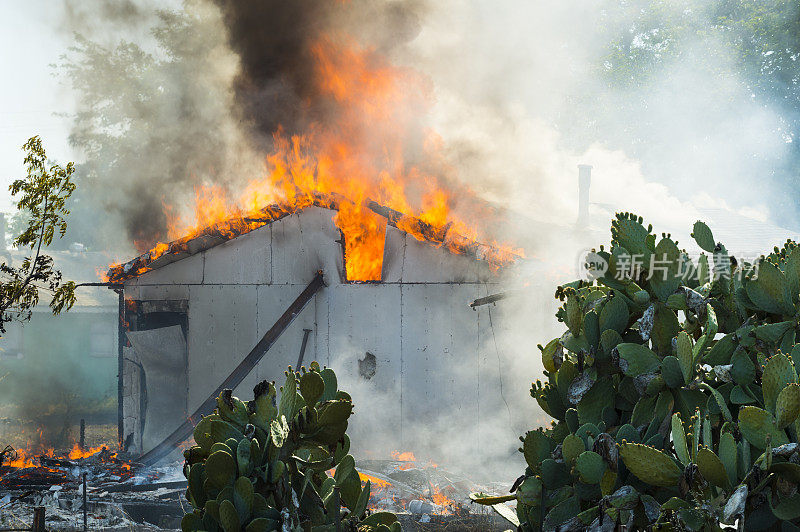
(680, 106)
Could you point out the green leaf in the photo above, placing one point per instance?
(343, 470)
(279, 431)
(726, 413)
(629, 233)
(573, 315)
(536, 448)
(792, 272)
(363, 500)
(289, 404)
(709, 333)
(684, 351)
(311, 387)
(549, 355)
(773, 332)
(743, 370)
(600, 396)
(728, 454)
(561, 513)
(590, 467)
(665, 327)
(720, 352)
(740, 396)
(787, 509)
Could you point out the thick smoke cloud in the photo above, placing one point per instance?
(172, 97)
(275, 83)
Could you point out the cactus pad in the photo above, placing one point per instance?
(650, 465)
(787, 406)
(671, 371)
(590, 467)
(778, 372)
(636, 359)
(711, 468)
(571, 448)
(757, 424)
(679, 440)
(703, 236)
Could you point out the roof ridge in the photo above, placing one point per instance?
(235, 226)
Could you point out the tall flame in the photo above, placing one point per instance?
(369, 146)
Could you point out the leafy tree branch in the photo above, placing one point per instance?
(42, 197)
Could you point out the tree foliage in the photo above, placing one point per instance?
(154, 120)
(42, 197)
(696, 89)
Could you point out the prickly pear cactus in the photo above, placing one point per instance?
(262, 466)
(674, 393)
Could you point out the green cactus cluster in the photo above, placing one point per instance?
(262, 466)
(674, 393)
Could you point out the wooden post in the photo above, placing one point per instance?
(306, 332)
(82, 441)
(38, 519)
(85, 509)
(122, 340)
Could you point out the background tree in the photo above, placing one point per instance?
(677, 81)
(43, 196)
(153, 121)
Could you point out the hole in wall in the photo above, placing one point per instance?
(367, 366)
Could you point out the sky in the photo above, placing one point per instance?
(31, 96)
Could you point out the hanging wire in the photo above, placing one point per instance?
(500, 371)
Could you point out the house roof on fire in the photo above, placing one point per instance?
(218, 233)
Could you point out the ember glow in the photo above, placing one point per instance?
(369, 151)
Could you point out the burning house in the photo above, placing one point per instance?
(239, 301)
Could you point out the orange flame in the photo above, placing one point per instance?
(374, 481)
(407, 456)
(369, 146)
(22, 459)
(440, 498)
(77, 452)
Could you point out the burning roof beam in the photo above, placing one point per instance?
(235, 226)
